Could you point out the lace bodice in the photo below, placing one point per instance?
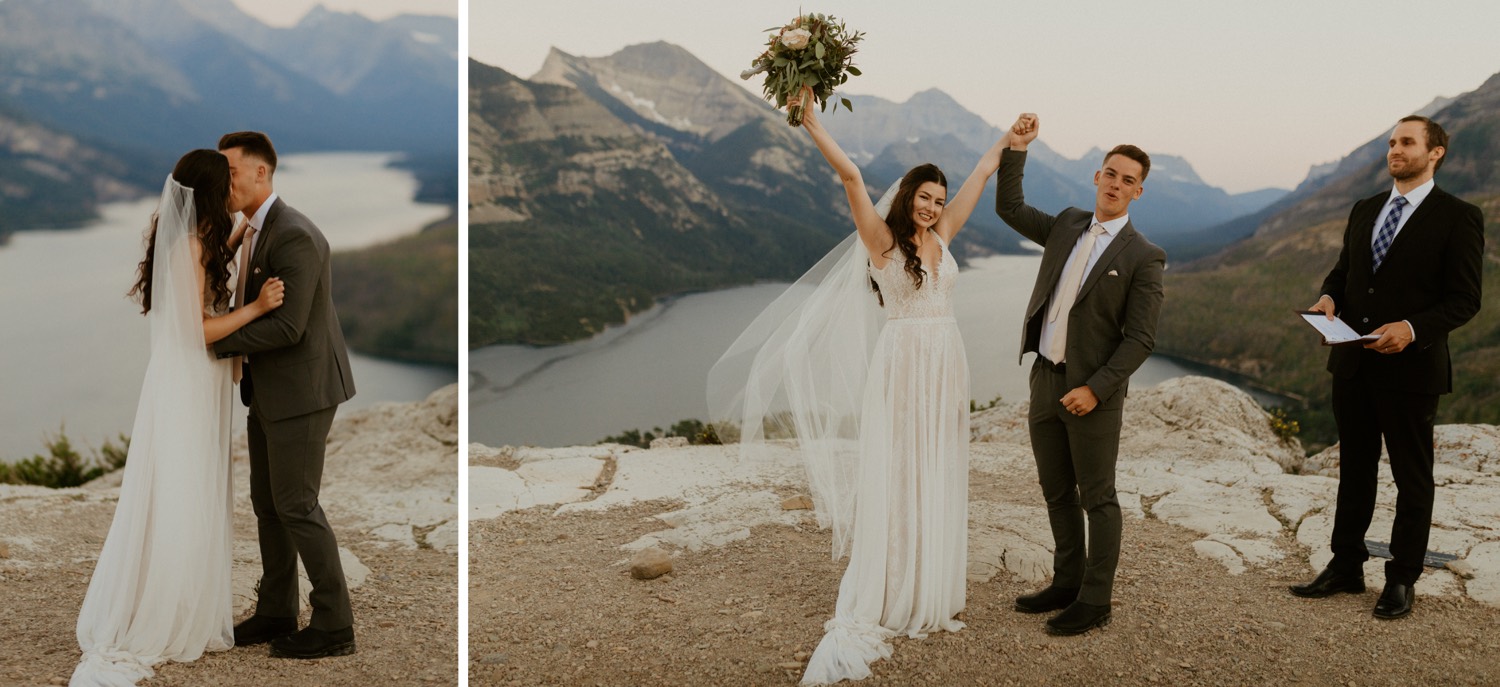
(904, 299)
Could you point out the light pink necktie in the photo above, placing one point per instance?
(1067, 293)
(247, 244)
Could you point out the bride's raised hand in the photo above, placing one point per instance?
(809, 105)
(272, 295)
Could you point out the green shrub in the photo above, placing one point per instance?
(695, 431)
(63, 466)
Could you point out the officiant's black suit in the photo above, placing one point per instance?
(1111, 331)
(1430, 277)
(297, 373)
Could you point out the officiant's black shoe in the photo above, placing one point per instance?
(1049, 599)
(1078, 618)
(259, 629)
(314, 643)
(1330, 582)
(1395, 601)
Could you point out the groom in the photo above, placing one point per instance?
(295, 373)
(1092, 322)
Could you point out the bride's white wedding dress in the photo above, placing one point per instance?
(908, 555)
(161, 590)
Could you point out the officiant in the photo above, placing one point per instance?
(1408, 273)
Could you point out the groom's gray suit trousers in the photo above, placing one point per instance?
(286, 470)
(1075, 461)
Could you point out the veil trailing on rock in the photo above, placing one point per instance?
(798, 373)
(161, 588)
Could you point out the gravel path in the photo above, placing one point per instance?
(551, 604)
(405, 612)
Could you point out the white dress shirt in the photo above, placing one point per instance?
(1414, 198)
(258, 220)
(1111, 229)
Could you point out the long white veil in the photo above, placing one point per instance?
(798, 372)
(160, 590)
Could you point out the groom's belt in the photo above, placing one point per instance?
(1060, 368)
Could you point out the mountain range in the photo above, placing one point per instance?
(660, 173)
(578, 218)
(1232, 309)
(132, 84)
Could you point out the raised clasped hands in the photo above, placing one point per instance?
(1024, 131)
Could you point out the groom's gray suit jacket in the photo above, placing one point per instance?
(1112, 326)
(297, 360)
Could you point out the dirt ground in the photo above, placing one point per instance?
(551, 603)
(406, 612)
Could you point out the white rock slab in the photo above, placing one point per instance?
(1212, 508)
(1222, 553)
(694, 474)
(1485, 587)
(718, 522)
(1016, 539)
(496, 491)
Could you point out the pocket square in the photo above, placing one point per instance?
(257, 271)
(1113, 273)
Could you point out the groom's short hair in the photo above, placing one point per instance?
(1436, 136)
(1131, 152)
(253, 143)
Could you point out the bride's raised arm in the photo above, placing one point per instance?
(958, 210)
(215, 328)
(872, 227)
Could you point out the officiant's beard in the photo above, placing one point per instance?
(1406, 170)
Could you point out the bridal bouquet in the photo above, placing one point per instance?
(814, 50)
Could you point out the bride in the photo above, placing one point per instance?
(880, 411)
(160, 590)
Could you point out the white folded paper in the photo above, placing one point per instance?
(1334, 331)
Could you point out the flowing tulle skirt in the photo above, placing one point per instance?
(161, 589)
(909, 557)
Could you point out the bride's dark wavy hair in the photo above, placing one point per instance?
(903, 229)
(206, 172)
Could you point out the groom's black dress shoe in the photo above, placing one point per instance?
(1049, 599)
(314, 643)
(1395, 601)
(1078, 618)
(1330, 582)
(259, 629)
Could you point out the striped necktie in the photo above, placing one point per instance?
(1387, 232)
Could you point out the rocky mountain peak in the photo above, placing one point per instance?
(933, 97)
(660, 87)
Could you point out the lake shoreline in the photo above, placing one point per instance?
(78, 349)
(650, 371)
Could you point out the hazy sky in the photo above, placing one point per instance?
(1252, 93)
(287, 12)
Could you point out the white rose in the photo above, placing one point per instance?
(796, 39)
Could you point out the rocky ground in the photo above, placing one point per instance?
(389, 489)
(1218, 526)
